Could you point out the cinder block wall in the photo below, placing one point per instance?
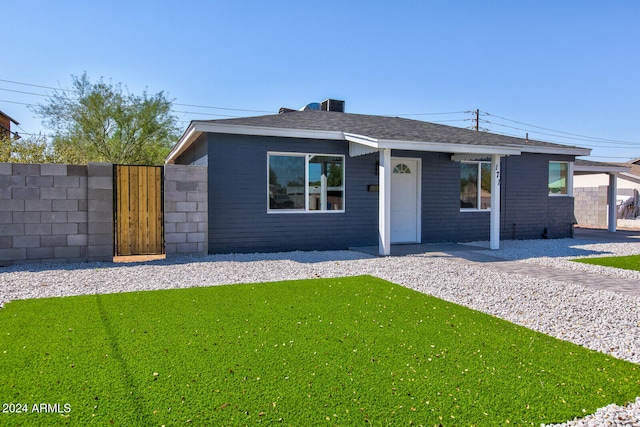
(46, 212)
(100, 239)
(64, 213)
(185, 209)
(591, 205)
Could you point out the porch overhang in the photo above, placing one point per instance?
(587, 167)
(360, 144)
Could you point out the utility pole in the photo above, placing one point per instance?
(477, 120)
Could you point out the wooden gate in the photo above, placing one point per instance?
(138, 210)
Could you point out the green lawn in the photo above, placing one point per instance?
(630, 262)
(348, 351)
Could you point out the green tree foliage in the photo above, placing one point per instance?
(335, 175)
(26, 150)
(101, 122)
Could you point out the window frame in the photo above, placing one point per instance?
(569, 183)
(479, 164)
(307, 157)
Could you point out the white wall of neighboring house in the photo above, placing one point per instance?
(590, 192)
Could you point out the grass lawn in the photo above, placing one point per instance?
(348, 351)
(630, 262)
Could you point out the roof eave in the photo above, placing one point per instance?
(187, 138)
(630, 177)
(10, 118)
(196, 128)
(586, 169)
(447, 147)
(565, 150)
(267, 131)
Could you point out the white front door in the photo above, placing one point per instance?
(405, 200)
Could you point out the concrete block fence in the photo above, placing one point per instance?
(591, 206)
(64, 213)
(185, 209)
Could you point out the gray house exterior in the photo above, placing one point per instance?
(322, 180)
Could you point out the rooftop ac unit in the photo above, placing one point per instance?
(332, 105)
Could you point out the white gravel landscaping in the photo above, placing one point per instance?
(600, 320)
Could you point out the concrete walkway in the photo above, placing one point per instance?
(474, 255)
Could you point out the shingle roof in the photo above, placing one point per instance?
(338, 125)
(383, 128)
(634, 169)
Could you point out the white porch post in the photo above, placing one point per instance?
(384, 202)
(494, 241)
(611, 196)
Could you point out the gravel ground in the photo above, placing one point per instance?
(599, 320)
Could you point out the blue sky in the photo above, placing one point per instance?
(564, 66)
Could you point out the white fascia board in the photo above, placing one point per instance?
(629, 177)
(184, 142)
(445, 147)
(197, 128)
(267, 131)
(356, 149)
(361, 139)
(568, 150)
(586, 170)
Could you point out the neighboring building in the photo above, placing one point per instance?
(5, 126)
(320, 180)
(601, 190)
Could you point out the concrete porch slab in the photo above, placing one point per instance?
(435, 249)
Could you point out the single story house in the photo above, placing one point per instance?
(322, 180)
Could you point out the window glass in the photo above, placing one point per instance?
(485, 185)
(306, 182)
(475, 185)
(558, 174)
(401, 168)
(468, 185)
(286, 182)
(326, 177)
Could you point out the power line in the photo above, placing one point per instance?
(430, 114)
(21, 91)
(586, 141)
(224, 108)
(16, 102)
(528, 127)
(449, 121)
(577, 136)
(204, 114)
(33, 85)
(174, 103)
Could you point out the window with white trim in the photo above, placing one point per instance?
(305, 182)
(475, 186)
(560, 179)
